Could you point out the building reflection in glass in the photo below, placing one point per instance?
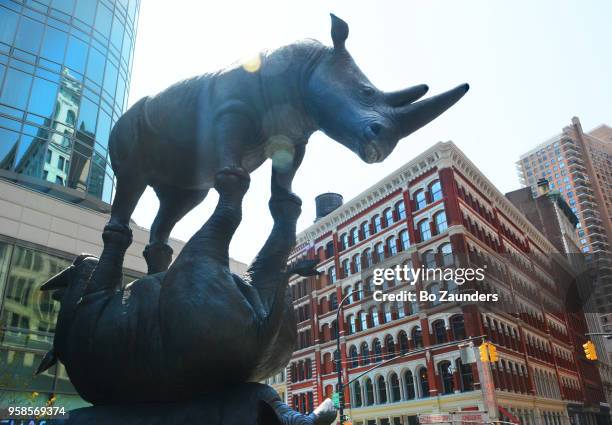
(64, 77)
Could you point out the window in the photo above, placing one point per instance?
(390, 347)
(400, 209)
(391, 246)
(405, 239)
(417, 337)
(446, 375)
(446, 251)
(424, 382)
(458, 327)
(395, 388)
(409, 385)
(425, 230)
(387, 311)
(439, 331)
(357, 263)
(368, 258)
(467, 378)
(369, 392)
(355, 235)
(48, 156)
(377, 351)
(380, 251)
(363, 318)
(436, 191)
(382, 390)
(365, 229)
(420, 199)
(377, 223)
(331, 272)
(388, 216)
(374, 313)
(365, 353)
(344, 242)
(440, 220)
(354, 356)
(356, 392)
(60, 162)
(358, 292)
(403, 342)
(352, 324)
(346, 268)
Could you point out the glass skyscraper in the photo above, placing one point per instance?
(64, 78)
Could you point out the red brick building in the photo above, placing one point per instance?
(438, 210)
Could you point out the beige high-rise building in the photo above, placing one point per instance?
(578, 164)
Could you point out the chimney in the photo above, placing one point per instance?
(542, 187)
(326, 203)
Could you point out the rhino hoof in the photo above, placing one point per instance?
(158, 256)
(325, 414)
(232, 179)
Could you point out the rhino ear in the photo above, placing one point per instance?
(266, 414)
(339, 32)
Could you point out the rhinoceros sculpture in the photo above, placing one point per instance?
(186, 332)
(236, 118)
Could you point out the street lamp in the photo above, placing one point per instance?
(339, 357)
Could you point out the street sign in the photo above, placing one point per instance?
(435, 418)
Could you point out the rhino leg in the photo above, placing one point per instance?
(213, 239)
(283, 174)
(325, 414)
(174, 203)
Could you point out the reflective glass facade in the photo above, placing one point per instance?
(27, 323)
(64, 78)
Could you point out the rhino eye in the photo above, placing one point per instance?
(367, 91)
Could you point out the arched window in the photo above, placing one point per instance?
(390, 346)
(458, 327)
(354, 356)
(333, 301)
(308, 368)
(352, 324)
(382, 390)
(409, 385)
(377, 223)
(400, 309)
(400, 209)
(420, 200)
(446, 376)
(391, 246)
(329, 249)
(405, 239)
(439, 331)
(429, 259)
(423, 382)
(357, 263)
(344, 241)
(377, 351)
(424, 230)
(434, 289)
(365, 229)
(440, 220)
(331, 272)
(446, 251)
(436, 191)
(388, 216)
(369, 392)
(346, 268)
(355, 235)
(358, 292)
(417, 337)
(368, 258)
(334, 329)
(365, 354)
(363, 318)
(356, 391)
(374, 314)
(380, 251)
(403, 342)
(395, 388)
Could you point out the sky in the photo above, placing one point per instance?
(531, 66)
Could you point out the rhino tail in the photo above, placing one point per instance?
(48, 361)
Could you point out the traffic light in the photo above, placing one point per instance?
(492, 353)
(589, 350)
(484, 352)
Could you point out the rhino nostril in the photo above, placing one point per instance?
(376, 128)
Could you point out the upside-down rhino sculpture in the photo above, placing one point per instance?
(193, 328)
(177, 140)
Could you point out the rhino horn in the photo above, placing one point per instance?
(414, 116)
(49, 360)
(406, 96)
(59, 281)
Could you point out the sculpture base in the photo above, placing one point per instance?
(246, 404)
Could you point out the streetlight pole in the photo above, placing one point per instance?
(339, 358)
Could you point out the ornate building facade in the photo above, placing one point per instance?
(438, 210)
